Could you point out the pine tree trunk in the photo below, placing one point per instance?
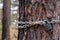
(21, 8)
(37, 10)
(6, 20)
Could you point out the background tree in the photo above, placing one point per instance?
(6, 20)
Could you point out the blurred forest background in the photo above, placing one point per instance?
(14, 13)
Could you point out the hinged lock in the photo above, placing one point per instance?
(48, 26)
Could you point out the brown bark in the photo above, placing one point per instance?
(21, 18)
(36, 10)
(6, 20)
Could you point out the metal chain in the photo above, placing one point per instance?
(21, 24)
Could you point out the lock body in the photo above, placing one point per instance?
(48, 26)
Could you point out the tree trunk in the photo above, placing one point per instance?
(6, 20)
(37, 10)
(21, 8)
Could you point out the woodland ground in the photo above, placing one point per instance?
(13, 33)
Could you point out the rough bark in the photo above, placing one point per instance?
(21, 18)
(6, 20)
(56, 28)
(36, 10)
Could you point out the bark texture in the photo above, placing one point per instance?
(6, 20)
(36, 10)
(21, 18)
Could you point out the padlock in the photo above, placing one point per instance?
(48, 26)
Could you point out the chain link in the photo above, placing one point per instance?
(21, 24)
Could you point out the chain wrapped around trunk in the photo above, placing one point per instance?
(21, 24)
